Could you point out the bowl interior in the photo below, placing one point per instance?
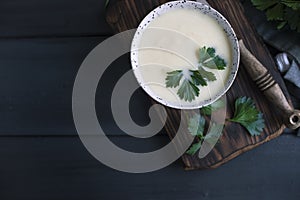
(207, 10)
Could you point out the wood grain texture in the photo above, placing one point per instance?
(126, 14)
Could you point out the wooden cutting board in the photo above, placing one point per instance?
(127, 14)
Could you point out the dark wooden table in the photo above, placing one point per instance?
(42, 44)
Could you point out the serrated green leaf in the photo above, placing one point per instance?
(207, 110)
(197, 78)
(194, 148)
(276, 12)
(203, 55)
(209, 76)
(286, 12)
(188, 87)
(188, 90)
(209, 59)
(196, 125)
(173, 78)
(211, 51)
(219, 62)
(281, 25)
(214, 133)
(263, 4)
(213, 62)
(294, 4)
(248, 116)
(293, 19)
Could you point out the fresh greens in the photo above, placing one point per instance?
(245, 114)
(214, 133)
(188, 89)
(194, 148)
(209, 59)
(196, 128)
(285, 12)
(248, 116)
(207, 110)
(189, 80)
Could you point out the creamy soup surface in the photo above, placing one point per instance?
(172, 42)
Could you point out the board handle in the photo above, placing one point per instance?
(269, 87)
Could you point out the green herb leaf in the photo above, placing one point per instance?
(294, 4)
(281, 25)
(197, 78)
(275, 13)
(264, 4)
(248, 116)
(209, 76)
(293, 19)
(206, 53)
(173, 78)
(207, 58)
(283, 11)
(196, 128)
(196, 125)
(188, 87)
(194, 148)
(207, 110)
(188, 90)
(214, 133)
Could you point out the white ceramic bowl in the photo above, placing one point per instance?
(207, 10)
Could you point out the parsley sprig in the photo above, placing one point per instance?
(189, 81)
(248, 116)
(245, 114)
(196, 128)
(285, 12)
(209, 59)
(207, 110)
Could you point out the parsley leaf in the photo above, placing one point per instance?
(207, 110)
(248, 116)
(209, 76)
(189, 80)
(275, 13)
(197, 78)
(245, 114)
(207, 58)
(283, 11)
(206, 53)
(196, 125)
(214, 133)
(196, 128)
(194, 148)
(188, 89)
(293, 19)
(173, 78)
(264, 4)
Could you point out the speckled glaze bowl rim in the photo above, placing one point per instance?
(205, 9)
